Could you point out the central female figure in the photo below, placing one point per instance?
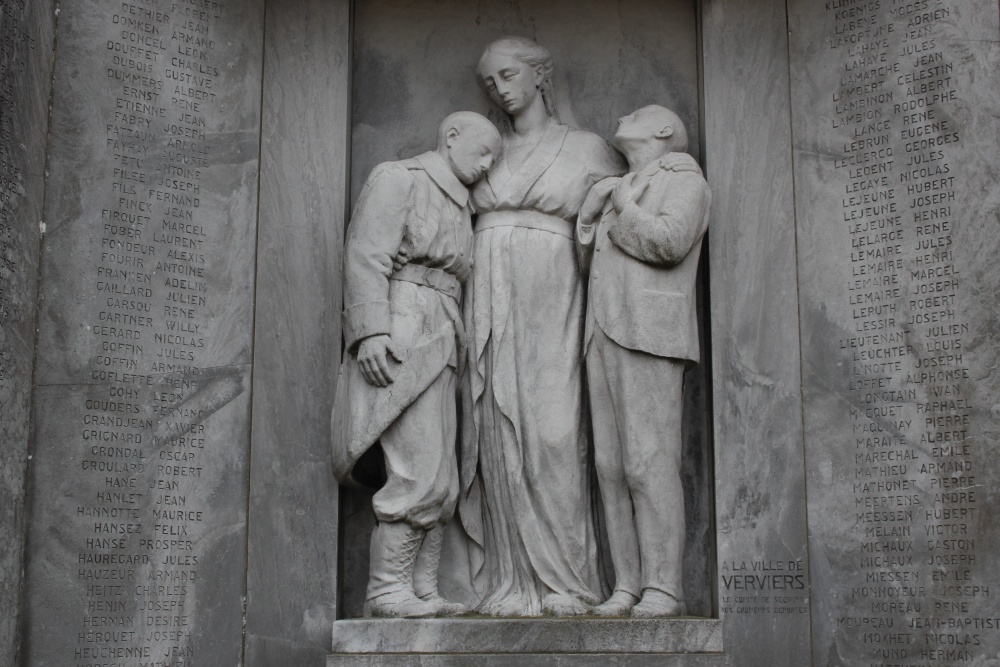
(525, 461)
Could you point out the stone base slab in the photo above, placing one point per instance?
(525, 636)
(529, 659)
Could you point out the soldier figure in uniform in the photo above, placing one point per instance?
(404, 337)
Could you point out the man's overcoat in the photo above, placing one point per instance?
(644, 266)
(420, 205)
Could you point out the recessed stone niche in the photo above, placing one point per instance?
(397, 103)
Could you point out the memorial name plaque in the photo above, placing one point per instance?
(139, 480)
(895, 132)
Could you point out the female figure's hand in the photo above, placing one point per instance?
(593, 205)
(401, 259)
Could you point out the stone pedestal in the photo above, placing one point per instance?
(495, 641)
(528, 635)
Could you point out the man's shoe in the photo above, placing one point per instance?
(619, 604)
(657, 604)
(444, 607)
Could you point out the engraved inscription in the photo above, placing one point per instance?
(907, 475)
(157, 330)
(153, 279)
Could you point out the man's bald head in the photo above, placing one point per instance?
(652, 123)
(665, 118)
(649, 133)
(468, 143)
(467, 122)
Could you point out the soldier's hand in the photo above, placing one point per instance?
(373, 359)
(593, 205)
(401, 259)
(625, 194)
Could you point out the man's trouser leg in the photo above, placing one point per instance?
(419, 494)
(647, 395)
(610, 463)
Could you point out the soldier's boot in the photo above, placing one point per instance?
(394, 550)
(425, 575)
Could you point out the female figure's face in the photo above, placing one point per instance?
(511, 84)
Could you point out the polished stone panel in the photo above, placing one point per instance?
(26, 37)
(137, 543)
(291, 586)
(760, 490)
(851, 149)
(895, 132)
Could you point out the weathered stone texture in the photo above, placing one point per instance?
(26, 37)
(895, 134)
(291, 589)
(760, 490)
(648, 54)
(137, 543)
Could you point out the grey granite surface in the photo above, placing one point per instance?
(291, 585)
(895, 110)
(137, 543)
(415, 62)
(26, 36)
(109, 572)
(760, 490)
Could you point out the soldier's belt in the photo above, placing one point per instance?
(527, 219)
(438, 279)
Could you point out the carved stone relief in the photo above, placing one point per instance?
(553, 210)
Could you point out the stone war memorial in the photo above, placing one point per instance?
(438, 333)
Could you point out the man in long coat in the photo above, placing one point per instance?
(641, 331)
(403, 333)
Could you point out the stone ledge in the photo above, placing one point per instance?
(530, 660)
(527, 635)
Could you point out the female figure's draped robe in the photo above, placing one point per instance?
(525, 474)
